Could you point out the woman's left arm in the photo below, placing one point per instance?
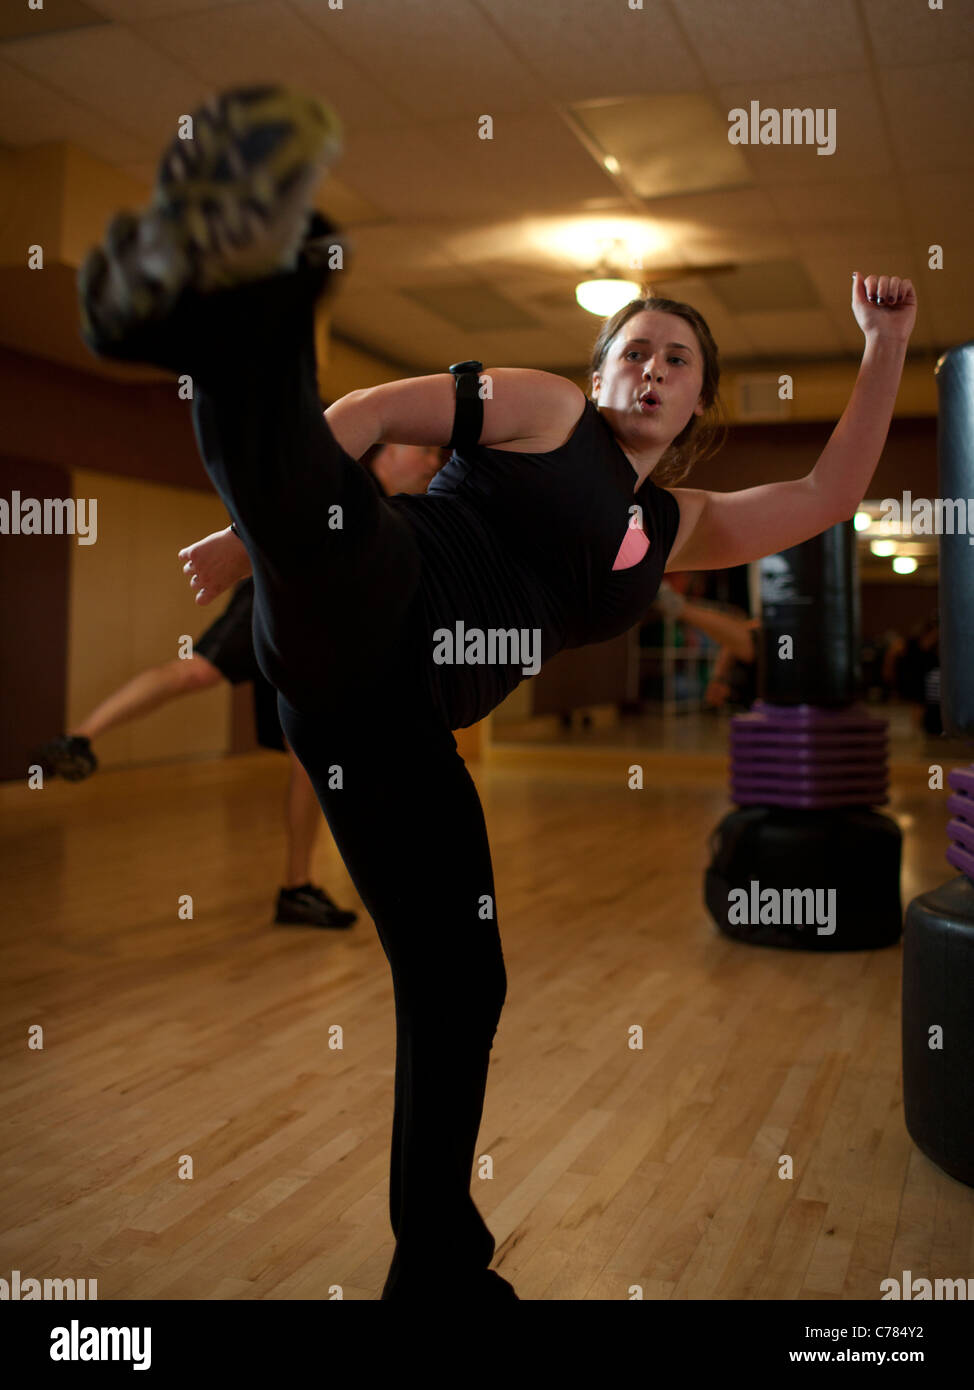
(722, 529)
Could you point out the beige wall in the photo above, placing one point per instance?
(129, 604)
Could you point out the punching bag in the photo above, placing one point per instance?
(955, 461)
(809, 648)
(938, 935)
(808, 766)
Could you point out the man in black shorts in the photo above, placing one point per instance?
(225, 651)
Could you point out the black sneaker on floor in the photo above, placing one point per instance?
(310, 907)
(68, 756)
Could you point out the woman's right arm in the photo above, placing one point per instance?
(519, 403)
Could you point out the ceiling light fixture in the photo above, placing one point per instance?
(605, 292)
(604, 296)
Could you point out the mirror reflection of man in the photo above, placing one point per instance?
(733, 678)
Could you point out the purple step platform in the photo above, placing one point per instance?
(804, 756)
(961, 828)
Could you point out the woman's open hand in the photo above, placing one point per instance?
(884, 306)
(214, 564)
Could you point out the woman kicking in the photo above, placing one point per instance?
(386, 623)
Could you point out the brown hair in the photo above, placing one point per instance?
(704, 434)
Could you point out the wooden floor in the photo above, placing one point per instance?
(611, 1167)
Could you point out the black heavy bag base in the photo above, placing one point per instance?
(938, 1007)
(851, 849)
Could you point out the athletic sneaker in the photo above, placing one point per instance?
(310, 906)
(68, 756)
(231, 206)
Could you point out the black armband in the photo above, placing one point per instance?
(468, 418)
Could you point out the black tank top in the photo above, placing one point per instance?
(528, 542)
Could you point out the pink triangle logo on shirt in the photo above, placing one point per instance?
(634, 545)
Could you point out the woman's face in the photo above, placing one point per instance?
(658, 353)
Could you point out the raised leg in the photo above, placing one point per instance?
(217, 281)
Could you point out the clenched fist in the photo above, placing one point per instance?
(884, 306)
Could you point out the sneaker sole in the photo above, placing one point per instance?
(231, 205)
(292, 920)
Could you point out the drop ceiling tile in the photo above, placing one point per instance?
(665, 144)
(402, 254)
(132, 11)
(403, 331)
(267, 41)
(32, 113)
(445, 170)
(941, 203)
(390, 324)
(861, 148)
(701, 245)
(863, 250)
(549, 299)
(115, 73)
(732, 226)
(435, 58)
(931, 115)
(472, 306)
(540, 348)
(772, 286)
(764, 40)
(809, 333)
(948, 295)
(903, 32)
(533, 162)
(395, 169)
(19, 21)
(837, 205)
(581, 50)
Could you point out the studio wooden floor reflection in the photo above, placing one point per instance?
(612, 1167)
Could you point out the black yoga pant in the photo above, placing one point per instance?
(337, 631)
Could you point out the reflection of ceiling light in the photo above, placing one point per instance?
(882, 548)
(862, 521)
(611, 163)
(904, 564)
(604, 297)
